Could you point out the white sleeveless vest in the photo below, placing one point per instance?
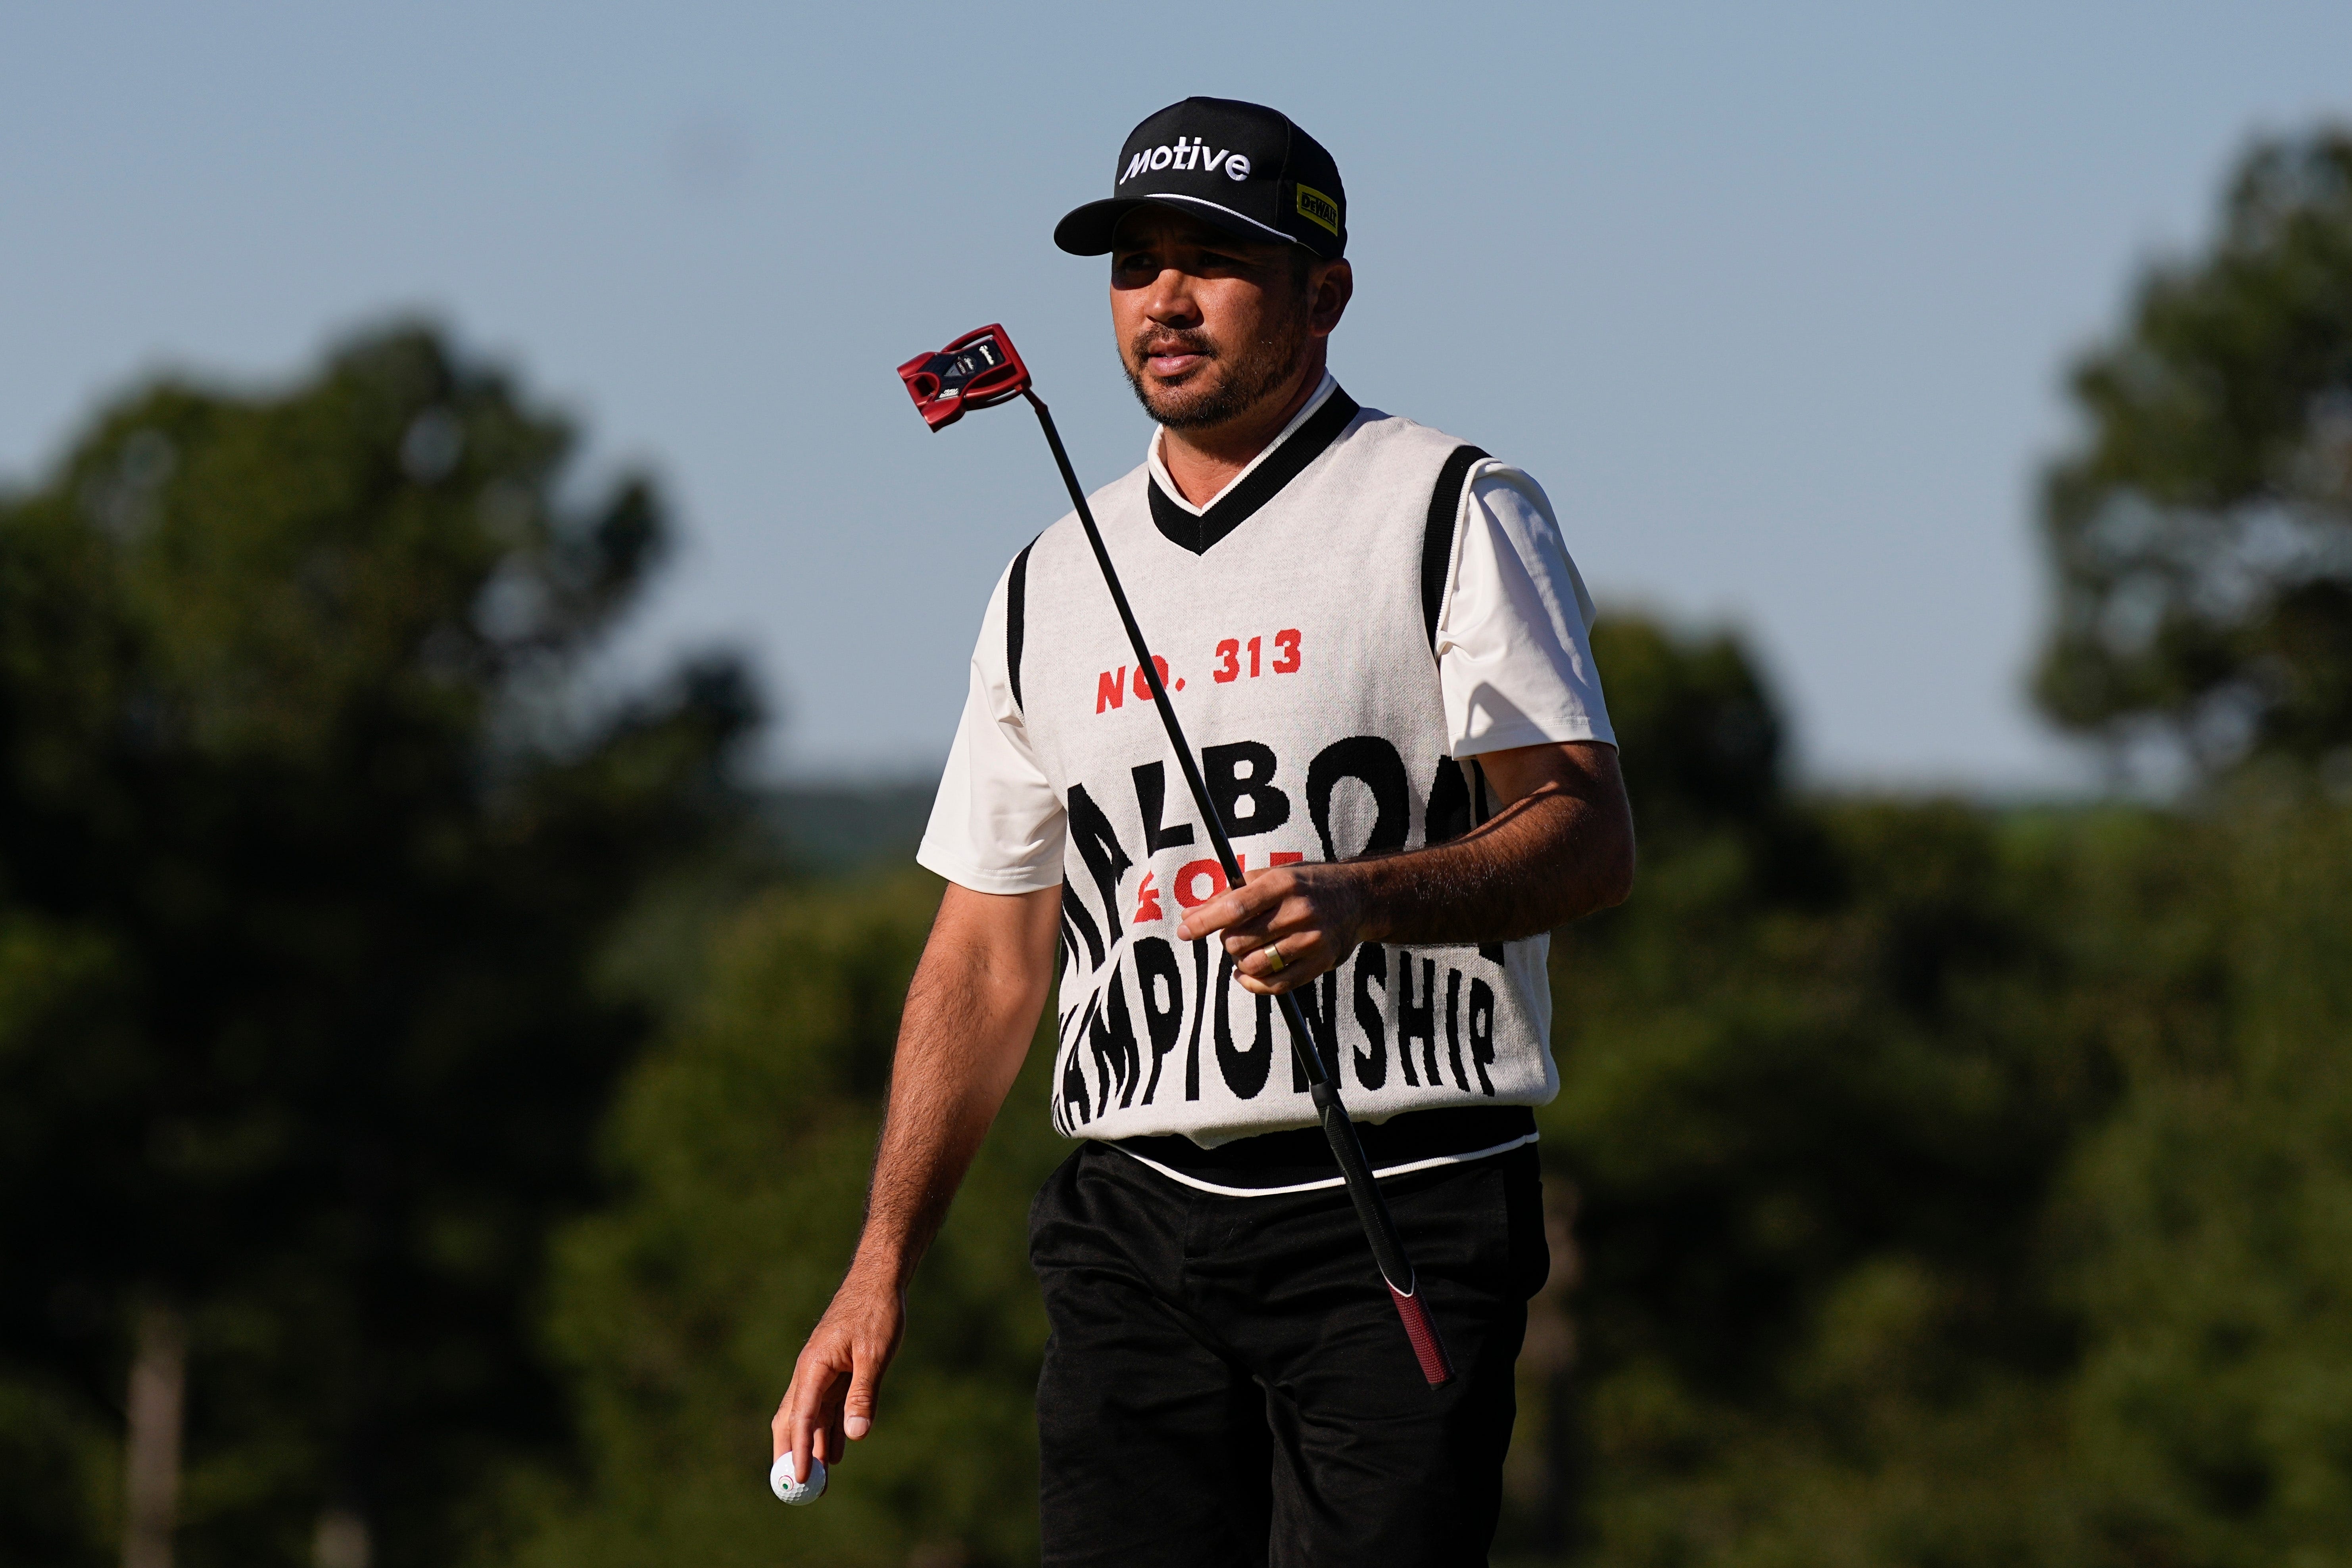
(1295, 618)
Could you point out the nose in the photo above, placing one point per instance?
(1169, 302)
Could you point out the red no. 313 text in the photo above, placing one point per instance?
(1236, 658)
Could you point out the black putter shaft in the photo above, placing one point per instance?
(1346, 1148)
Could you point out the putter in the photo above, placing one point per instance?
(980, 369)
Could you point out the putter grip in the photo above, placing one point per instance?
(1427, 1348)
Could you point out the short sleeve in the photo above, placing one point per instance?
(1513, 657)
(996, 824)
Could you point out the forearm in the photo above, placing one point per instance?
(1561, 847)
(1542, 861)
(970, 1014)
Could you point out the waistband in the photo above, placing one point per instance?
(1300, 1158)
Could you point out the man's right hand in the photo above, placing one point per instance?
(838, 1377)
(974, 1002)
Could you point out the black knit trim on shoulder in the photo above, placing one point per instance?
(1197, 531)
(1016, 616)
(1437, 539)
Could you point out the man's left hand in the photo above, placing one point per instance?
(1309, 913)
(1559, 846)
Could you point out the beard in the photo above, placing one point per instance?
(1241, 382)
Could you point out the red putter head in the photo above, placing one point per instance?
(977, 371)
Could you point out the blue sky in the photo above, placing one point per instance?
(1775, 301)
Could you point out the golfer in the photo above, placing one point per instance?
(1375, 636)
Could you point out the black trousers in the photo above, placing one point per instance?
(1226, 1381)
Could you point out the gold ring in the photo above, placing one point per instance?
(1275, 963)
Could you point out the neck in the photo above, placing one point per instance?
(1200, 463)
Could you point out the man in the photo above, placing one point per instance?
(1377, 641)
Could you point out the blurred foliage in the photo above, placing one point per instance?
(1951, 1187)
(1935, 1184)
(2202, 531)
(842, 830)
(742, 1145)
(1822, 1078)
(308, 849)
(1700, 739)
(1992, 1213)
(2210, 1224)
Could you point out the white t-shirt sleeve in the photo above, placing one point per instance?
(996, 823)
(1512, 657)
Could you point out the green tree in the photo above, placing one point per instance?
(741, 1149)
(1823, 1075)
(1700, 735)
(2201, 532)
(309, 845)
(2209, 1224)
(1819, 1085)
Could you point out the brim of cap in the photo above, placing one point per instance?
(1087, 230)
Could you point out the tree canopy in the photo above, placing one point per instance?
(310, 841)
(1934, 1184)
(2201, 528)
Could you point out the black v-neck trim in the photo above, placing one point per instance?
(1196, 532)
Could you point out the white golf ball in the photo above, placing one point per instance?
(788, 1490)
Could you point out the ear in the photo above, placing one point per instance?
(1329, 286)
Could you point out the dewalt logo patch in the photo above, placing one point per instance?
(1318, 208)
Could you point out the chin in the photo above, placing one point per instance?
(1170, 402)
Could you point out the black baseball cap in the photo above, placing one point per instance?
(1241, 167)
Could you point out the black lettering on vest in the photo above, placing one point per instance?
(1054, 1107)
(1074, 915)
(1373, 964)
(1319, 1003)
(1373, 761)
(1118, 1066)
(1448, 817)
(1076, 1111)
(1417, 1020)
(1062, 1038)
(1243, 771)
(1099, 848)
(1244, 1070)
(1200, 1011)
(1151, 795)
(1155, 967)
(1454, 1028)
(1482, 1033)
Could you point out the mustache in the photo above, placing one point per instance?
(1154, 340)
